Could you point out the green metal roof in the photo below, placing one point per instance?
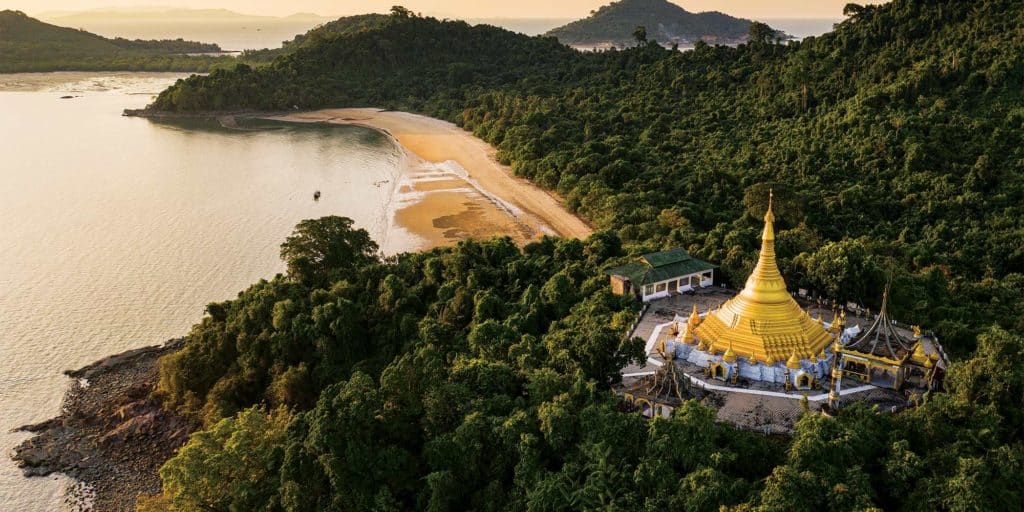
(660, 259)
(660, 266)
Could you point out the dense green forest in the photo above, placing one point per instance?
(29, 45)
(893, 143)
(477, 377)
(662, 20)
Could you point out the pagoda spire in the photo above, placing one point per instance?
(765, 284)
(763, 318)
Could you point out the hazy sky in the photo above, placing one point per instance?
(453, 8)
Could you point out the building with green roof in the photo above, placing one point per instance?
(660, 274)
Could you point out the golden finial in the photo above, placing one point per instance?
(694, 317)
(793, 362)
(917, 331)
(729, 356)
(687, 336)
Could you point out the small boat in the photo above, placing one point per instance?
(316, 195)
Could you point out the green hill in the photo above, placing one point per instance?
(341, 26)
(664, 21)
(27, 44)
(477, 377)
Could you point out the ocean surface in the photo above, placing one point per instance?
(117, 231)
(802, 27)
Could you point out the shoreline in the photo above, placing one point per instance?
(483, 198)
(439, 142)
(111, 436)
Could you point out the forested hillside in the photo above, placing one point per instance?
(477, 377)
(342, 26)
(27, 44)
(894, 143)
(662, 20)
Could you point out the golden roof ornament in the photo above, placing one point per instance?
(793, 362)
(764, 315)
(688, 335)
(729, 356)
(694, 317)
(919, 354)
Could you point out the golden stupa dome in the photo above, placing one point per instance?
(763, 319)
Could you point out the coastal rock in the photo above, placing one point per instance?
(111, 436)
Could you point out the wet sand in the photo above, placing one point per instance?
(454, 187)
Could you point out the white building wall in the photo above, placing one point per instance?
(655, 294)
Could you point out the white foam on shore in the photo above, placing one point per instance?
(396, 200)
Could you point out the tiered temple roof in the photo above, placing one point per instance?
(882, 339)
(763, 321)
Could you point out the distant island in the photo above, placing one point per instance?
(614, 25)
(231, 30)
(30, 45)
(167, 15)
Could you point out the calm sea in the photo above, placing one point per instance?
(117, 231)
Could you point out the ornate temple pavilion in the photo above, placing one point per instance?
(883, 356)
(762, 333)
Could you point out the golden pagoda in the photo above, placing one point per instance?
(763, 320)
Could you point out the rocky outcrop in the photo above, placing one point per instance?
(111, 436)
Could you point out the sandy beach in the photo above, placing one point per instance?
(462, 191)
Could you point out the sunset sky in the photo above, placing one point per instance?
(454, 8)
